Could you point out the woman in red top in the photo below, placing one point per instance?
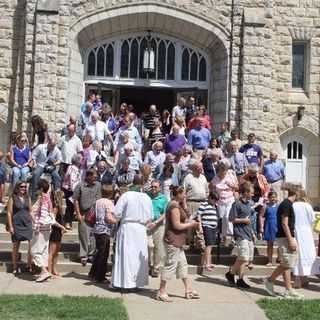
(203, 116)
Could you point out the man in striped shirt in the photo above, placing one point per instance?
(208, 216)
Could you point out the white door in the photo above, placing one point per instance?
(296, 162)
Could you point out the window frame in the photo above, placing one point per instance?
(307, 62)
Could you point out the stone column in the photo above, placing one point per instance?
(256, 76)
(46, 65)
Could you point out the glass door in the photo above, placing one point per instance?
(109, 94)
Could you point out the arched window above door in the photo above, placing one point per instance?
(294, 151)
(121, 59)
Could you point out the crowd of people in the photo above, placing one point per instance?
(153, 184)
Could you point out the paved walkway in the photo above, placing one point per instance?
(218, 301)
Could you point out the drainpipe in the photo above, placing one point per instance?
(230, 61)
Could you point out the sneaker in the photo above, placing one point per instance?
(230, 278)
(269, 286)
(43, 277)
(242, 284)
(292, 294)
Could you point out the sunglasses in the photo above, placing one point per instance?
(22, 187)
(23, 141)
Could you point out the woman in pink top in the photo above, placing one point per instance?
(225, 183)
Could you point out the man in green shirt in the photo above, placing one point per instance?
(157, 227)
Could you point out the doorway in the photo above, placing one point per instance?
(141, 98)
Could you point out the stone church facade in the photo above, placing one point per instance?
(255, 63)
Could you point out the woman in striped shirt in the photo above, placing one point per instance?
(208, 216)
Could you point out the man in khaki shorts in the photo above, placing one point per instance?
(240, 215)
(287, 247)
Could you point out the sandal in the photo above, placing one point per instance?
(209, 267)
(163, 297)
(192, 295)
(250, 266)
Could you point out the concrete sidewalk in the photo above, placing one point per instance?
(218, 301)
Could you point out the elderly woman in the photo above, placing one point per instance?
(133, 156)
(155, 157)
(174, 141)
(20, 158)
(225, 183)
(108, 118)
(71, 179)
(304, 220)
(175, 263)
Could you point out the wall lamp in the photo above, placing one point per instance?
(300, 112)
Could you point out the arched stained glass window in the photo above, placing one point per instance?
(185, 65)
(92, 64)
(162, 57)
(109, 61)
(171, 62)
(203, 70)
(194, 67)
(124, 59)
(134, 59)
(169, 54)
(100, 62)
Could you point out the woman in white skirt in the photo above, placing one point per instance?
(304, 219)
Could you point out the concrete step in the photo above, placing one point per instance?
(73, 267)
(193, 259)
(73, 246)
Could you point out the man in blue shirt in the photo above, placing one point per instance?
(252, 151)
(199, 137)
(274, 172)
(157, 227)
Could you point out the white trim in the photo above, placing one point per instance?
(178, 45)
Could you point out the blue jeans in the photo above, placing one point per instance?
(19, 174)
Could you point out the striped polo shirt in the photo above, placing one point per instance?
(208, 214)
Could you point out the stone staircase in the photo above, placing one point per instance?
(69, 259)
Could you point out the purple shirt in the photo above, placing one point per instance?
(253, 153)
(174, 143)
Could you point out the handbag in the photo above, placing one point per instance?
(316, 226)
(90, 217)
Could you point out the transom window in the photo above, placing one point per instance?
(122, 59)
(294, 150)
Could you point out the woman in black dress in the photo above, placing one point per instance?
(19, 222)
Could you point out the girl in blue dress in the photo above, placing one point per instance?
(270, 224)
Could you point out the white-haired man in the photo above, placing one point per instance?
(274, 172)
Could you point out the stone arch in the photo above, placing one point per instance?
(199, 31)
(311, 143)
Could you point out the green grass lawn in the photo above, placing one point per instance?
(291, 309)
(43, 307)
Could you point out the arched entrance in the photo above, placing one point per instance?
(200, 42)
(115, 68)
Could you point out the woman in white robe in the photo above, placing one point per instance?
(304, 219)
(134, 211)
